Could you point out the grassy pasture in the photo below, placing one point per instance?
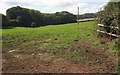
(70, 42)
(60, 33)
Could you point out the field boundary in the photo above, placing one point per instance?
(108, 33)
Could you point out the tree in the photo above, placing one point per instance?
(37, 17)
(4, 21)
(87, 15)
(65, 17)
(15, 12)
(25, 17)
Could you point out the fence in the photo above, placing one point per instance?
(113, 31)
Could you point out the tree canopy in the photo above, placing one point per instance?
(87, 15)
(18, 16)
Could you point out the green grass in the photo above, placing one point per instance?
(63, 33)
(65, 41)
(58, 40)
(50, 38)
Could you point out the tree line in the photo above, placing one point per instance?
(24, 17)
(87, 15)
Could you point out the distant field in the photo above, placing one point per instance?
(57, 48)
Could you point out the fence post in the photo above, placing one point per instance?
(78, 16)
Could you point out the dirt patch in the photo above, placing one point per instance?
(99, 59)
(95, 60)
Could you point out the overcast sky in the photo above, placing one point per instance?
(52, 6)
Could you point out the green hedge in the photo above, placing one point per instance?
(110, 16)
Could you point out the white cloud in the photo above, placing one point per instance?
(3, 8)
(51, 1)
(53, 6)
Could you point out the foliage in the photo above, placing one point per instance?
(14, 22)
(23, 13)
(37, 17)
(26, 16)
(4, 20)
(119, 43)
(109, 16)
(87, 15)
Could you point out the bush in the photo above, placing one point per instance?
(109, 16)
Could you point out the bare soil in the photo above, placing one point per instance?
(97, 60)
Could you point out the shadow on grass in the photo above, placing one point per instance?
(11, 27)
(7, 27)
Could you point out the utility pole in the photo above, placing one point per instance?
(78, 16)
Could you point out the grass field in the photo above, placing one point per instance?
(57, 48)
